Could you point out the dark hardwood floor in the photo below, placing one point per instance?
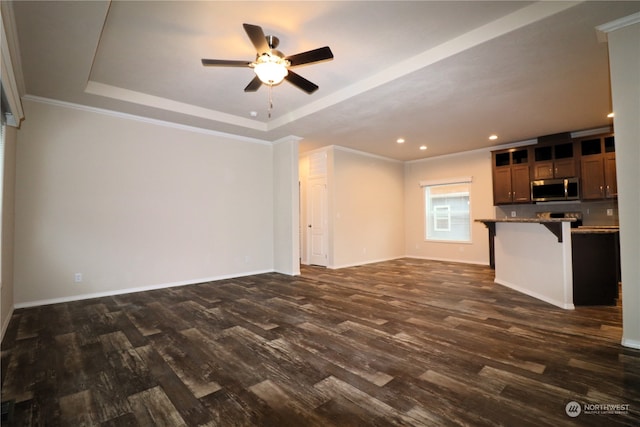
(406, 342)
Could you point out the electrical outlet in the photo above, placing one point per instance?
(513, 214)
(609, 212)
(77, 277)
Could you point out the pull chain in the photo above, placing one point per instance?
(270, 101)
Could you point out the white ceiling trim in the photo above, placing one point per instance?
(619, 23)
(145, 119)
(487, 150)
(446, 181)
(127, 95)
(602, 31)
(290, 138)
(589, 132)
(362, 153)
(9, 82)
(10, 38)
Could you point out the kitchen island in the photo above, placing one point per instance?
(533, 256)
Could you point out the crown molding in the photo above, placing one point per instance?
(363, 153)
(603, 30)
(133, 117)
(11, 70)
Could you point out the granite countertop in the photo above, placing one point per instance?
(553, 224)
(596, 229)
(528, 220)
(583, 229)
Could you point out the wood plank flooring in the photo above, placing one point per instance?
(406, 342)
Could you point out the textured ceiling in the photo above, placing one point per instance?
(443, 74)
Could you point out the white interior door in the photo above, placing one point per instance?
(318, 238)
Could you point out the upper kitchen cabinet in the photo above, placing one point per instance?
(554, 160)
(598, 161)
(511, 176)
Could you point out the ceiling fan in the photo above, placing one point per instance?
(272, 66)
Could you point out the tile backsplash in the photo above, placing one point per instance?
(593, 213)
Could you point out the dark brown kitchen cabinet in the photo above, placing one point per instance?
(598, 161)
(511, 176)
(610, 177)
(596, 265)
(554, 161)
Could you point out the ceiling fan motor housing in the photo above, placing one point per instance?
(272, 66)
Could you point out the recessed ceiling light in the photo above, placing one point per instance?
(423, 147)
(400, 140)
(253, 114)
(493, 137)
(610, 115)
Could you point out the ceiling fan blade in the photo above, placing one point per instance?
(253, 85)
(224, 63)
(257, 37)
(316, 55)
(301, 82)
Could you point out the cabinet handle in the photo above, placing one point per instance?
(556, 171)
(601, 192)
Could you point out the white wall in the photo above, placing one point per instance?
(8, 201)
(476, 164)
(624, 62)
(365, 209)
(286, 204)
(303, 176)
(134, 205)
(364, 206)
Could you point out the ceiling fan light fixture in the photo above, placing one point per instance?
(272, 66)
(271, 70)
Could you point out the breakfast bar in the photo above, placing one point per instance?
(533, 256)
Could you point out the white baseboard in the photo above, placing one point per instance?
(461, 261)
(132, 290)
(357, 264)
(551, 301)
(630, 343)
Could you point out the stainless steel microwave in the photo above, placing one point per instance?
(547, 190)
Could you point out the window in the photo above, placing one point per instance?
(447, 210)
(442, 218)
